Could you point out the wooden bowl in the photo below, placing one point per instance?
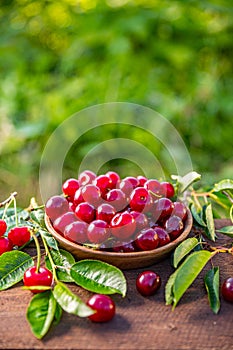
(122, 260)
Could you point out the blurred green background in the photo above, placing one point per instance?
(58, 57)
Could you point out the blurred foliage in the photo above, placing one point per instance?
(58, 57)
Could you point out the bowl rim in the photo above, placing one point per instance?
(164, 249)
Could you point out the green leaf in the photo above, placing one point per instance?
(63, 260)
(38, 217)
(226, 184)
(196, 216)
(210, 222)
(22, 215)
(187, 180)
(12, 267)
(41, 312)
(183, 249)
(184, 276)
(231, 213)
(212, 287)
(70, 302)
(227, 230)
(50, 240)
(99, 277)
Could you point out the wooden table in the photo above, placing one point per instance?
(139, 323)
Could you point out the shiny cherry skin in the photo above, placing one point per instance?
(167, 189)
(117, 198)
(162, 208)
(140, 199)
(142, 180)
(85, 212)
(86, 177)
(69, 187)
(164, 237)
(147, 239)
(19, 235)
(227, 289)
(123, 225)
(3, 227)
(104, 307)
(76, 232)
(174, 226)
(180, 210)
(56, 206)
(148, 282)
(128, 184)
(124, 247)
(91, 194)
(104, 183)
(140, 219)
(154, 187)
(78, 197)
(5, 245)
(114, 177)
(98, 231)
(105, 212)
(32, 278)
(64, 220)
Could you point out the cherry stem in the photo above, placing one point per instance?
(6, 203)
(50, 259)
(16, 215)
(38, 251)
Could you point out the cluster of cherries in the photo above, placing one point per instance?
(17, 236)
(113, 214)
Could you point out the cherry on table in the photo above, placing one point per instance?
(104, 307)
(3, 227)
(227, 289)
(32, 278)
(148, 282)
(5, 245)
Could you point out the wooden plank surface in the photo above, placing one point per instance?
(139, 323)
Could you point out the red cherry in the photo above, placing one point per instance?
(85, 212)
(140, 199)
(5, 245)
(154, 187)
(180, 210)
(148, 282)
(19, 235)
(117, 198)
(78, 197)
(162, 208)
(104, 183)
(76, 232)
(104, 307)
(167, 189)
(124, 247)
(164, 237)
(32, 278)
(86, 177)
(98, 231)
(91, 194)
(128, 184)
(140, 219)
(69, 188)
(227, 289)
(56, 206)
(114, 177)
(123, 225)
(63, 221)
(174, 226)
(105, 212)
(147, 239)
(3, 227)
(142, 180)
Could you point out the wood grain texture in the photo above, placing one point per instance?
(140, 323)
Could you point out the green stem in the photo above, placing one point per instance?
(7, 203)
(16, 215)
(215, 198)
(50, 259)
(38, 252)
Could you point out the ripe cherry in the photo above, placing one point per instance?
(104, 183)
(5, 245)
(140, 219)
(63, 221)
(69, 188)
(147, 239)
(162, 208)
(227, 289)
(174, 226)
(86, 177)
(128, 184)
(154, 187)
(148, 282)
(114, 177)
(124, 247)
(104, 307)
(32, 278)
(91, 194)
(19, 235)
(78, 197)
(56, 206)
(142, 180)
(180, 210)
(123, 225)
(167, 189)
(164, 237)
(140, 199)
(105, 212)
(76, 232)
(98, 231)
(117, 198)
(85, 212)
(3, 227)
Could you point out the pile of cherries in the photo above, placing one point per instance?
(113, 214)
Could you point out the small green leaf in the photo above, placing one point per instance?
(210, 222)
(50, 240)
(13, 264)
(227, 230)
(99, 277)
(22, 216)
(63, 260)
(183, 249)
(187, 180)
(41, 312)
(196, 216)
(226, 184)
(38, 217)
(212, 287)
(70, 302)
(169, 289)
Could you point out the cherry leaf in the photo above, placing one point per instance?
(183, 249)
(212, 287)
